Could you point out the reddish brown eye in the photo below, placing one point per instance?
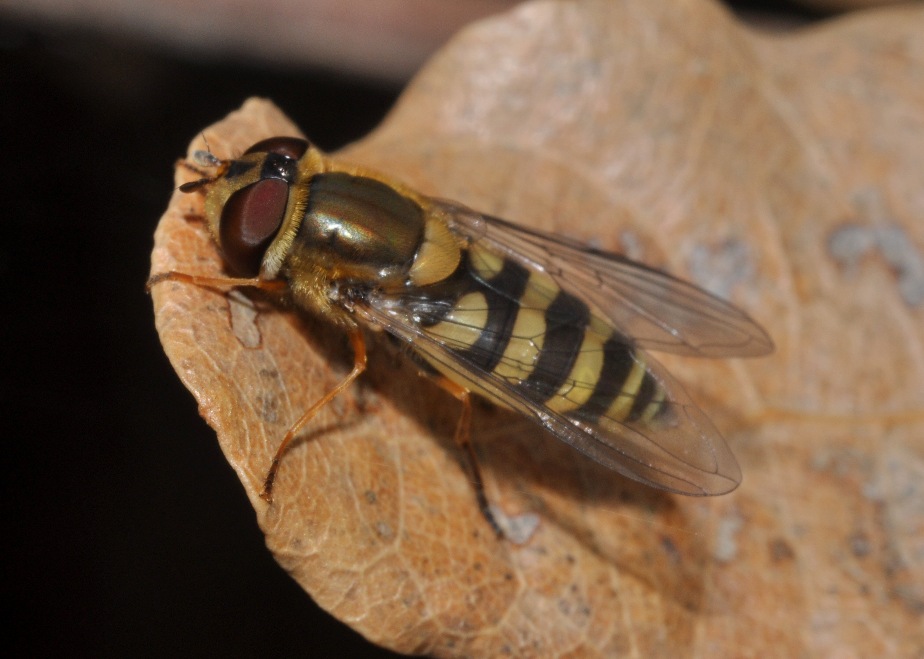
(292, 147)
(249, 222)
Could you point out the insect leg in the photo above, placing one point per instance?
(215, 282)
(463, 438)
(359, 365)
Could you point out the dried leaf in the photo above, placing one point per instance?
(783, 173)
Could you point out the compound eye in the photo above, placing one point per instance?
(249, 222)
(291, 147)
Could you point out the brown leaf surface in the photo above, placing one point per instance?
(784, 173)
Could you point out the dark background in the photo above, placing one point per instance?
(126, 533)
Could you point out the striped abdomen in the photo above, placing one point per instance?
(519, 325)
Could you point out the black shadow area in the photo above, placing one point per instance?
(126, 533)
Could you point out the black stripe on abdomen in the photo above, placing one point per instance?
(617, 365)
(502, 293)
(566, 320)
(644, 397)
(619, 362)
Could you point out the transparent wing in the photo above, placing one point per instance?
(680, 453)
(658, 311)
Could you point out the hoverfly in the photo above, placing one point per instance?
(533, 322)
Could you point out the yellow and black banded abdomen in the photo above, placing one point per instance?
(518, 325)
